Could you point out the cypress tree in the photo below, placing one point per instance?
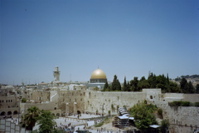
(115, 84)
(124, 85)
(106, 86)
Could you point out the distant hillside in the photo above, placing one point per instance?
(195, 76)
(194, 79)
(191, 76)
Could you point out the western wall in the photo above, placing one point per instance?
(65, 102)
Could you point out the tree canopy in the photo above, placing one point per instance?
(153, 81)
(45, 120)
(144, 115)
(116, 86)
(197, 88)
(30, 118)
(186, 87)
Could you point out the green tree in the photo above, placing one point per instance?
(116, 84)
(134, 84)
(30, 118)
(184, 85)
(132, 88)
(173, 87)
(124, 88)
(143, 83)
(46, 122)
(106, 86)
(190, 87)
(128, 87)
(164, 126)
(168, 78)
(23, 100)
(143, 114)
(152, 80)
(119, 88)
(162, 83)
(197, 88)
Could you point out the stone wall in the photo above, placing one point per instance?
(37, 96)
(105, 102)
(71, 101)
(41, 106)
(182, 119)
(191, 97)
(181, 97)
(41, 96)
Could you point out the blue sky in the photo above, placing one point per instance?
(123, 37)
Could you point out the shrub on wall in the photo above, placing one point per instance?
(185, 103)
(164, 126)
(174, 103)
(112, 107)
(23, 100)
(179, 103)
(197, 104)
(160, 112)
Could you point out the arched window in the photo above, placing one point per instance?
(15, 112)
(3, 113)
(9, 113)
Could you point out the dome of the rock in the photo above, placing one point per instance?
(98, 76)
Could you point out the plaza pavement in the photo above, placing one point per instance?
(85, 120)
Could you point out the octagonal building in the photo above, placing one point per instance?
(97, 79)
(98, 76)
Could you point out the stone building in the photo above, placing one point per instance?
(9, 102)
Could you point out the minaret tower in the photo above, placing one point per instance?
(56, 74)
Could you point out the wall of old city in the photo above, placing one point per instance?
(105, 102)
(71, 101)
(42, 106)
(36, 96)
(191, 97)
(181, 97)
(182, 119)
(64, 102)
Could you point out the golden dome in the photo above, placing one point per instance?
(98, 74)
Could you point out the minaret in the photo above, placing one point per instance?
(56, 74)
